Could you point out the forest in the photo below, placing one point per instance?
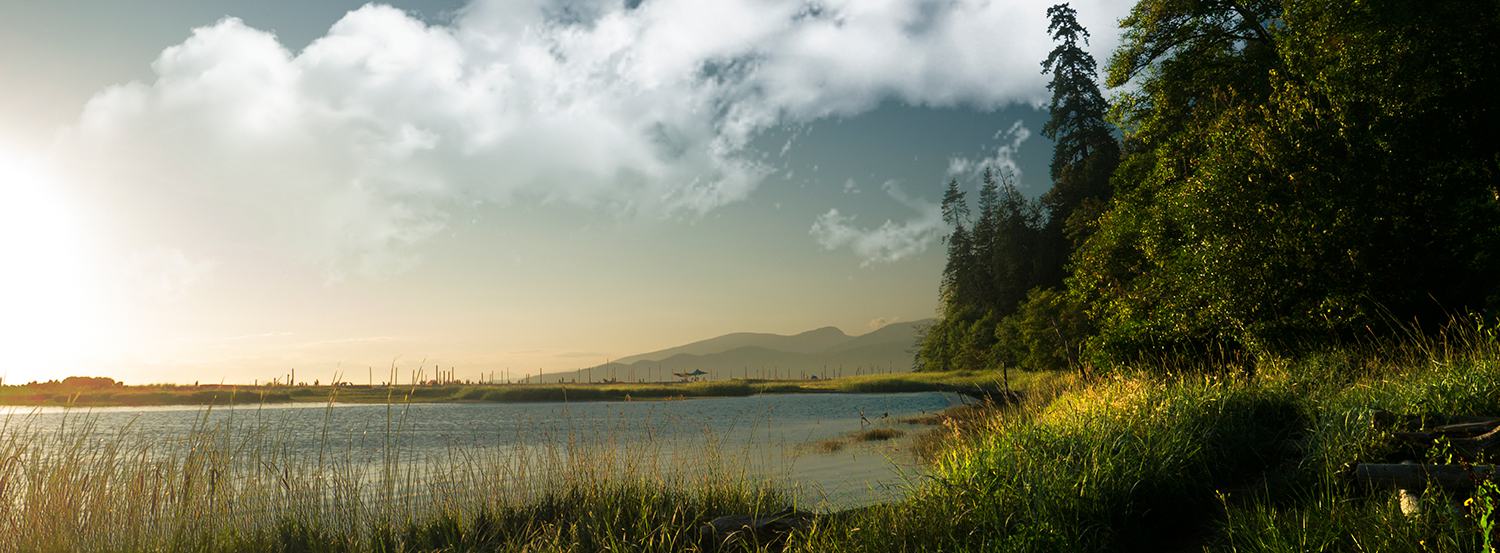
(1265, 178)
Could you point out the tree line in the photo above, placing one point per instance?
(1268, 176)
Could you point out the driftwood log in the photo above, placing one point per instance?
(1468, 438)
(1473, 438)
(764, 530)
(1413, 476)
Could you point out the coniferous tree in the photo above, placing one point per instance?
(941, 343)
(958, 277)
(986, 241)
(1013, 247)
(1085, 152)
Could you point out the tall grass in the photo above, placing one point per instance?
(1150, 460)
(71, 487)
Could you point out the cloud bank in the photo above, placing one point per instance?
(364, 143)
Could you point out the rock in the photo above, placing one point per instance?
(1411, 503)
(769, 531)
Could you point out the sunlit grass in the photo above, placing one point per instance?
(1145, 460)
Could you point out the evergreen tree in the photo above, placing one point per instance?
(1014, 262)
(1085, 152)
(942, 343)
(986, 243)
(958, 274)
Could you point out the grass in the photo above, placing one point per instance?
(1143, 460)
(1147, 461)
(974, 382)
(832, 445)
(878, 435)
(70, 488)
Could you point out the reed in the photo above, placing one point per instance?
(67, 486)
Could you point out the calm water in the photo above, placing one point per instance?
(771, 436)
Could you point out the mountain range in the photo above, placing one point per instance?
(826, 352)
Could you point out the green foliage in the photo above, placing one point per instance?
(1483, 508)
(1017, 247)
(1296, 172)
(1085, 152)
(1047, 332)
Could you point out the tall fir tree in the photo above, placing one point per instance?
(1085, 152)
(986, 237)
(941, 343)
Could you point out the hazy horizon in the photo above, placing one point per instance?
(210, 191)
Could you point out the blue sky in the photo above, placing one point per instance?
(244, 187)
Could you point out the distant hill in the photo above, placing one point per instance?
(812, 341)
(825, 351)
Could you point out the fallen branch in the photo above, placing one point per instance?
(1461, 436)
(1412, 476)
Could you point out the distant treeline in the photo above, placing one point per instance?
(1269, 175)
(77, 383)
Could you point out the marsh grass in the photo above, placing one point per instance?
(67, 486)
(877, 434)
(880, 434)
(832, 445)
(1189, 459)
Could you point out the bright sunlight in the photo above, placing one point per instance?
(47, 317)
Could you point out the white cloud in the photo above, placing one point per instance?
(1004, 158)
(889, 242)
(359, 146)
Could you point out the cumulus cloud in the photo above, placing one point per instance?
(362, 144)
(1004, 158)
(890, 241)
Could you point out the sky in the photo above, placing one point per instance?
(215, 191)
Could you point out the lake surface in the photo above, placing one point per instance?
(772, 437)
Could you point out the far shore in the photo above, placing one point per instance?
(59, 395)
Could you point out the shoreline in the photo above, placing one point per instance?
(970, 383)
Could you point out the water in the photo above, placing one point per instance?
(770, 436)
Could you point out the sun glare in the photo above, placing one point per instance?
(47, 324)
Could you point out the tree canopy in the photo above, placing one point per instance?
(1287, 173)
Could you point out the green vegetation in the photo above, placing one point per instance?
(1281, 226)
(1289, 175)
(1146, 461)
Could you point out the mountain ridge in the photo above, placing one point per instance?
(826, 351)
